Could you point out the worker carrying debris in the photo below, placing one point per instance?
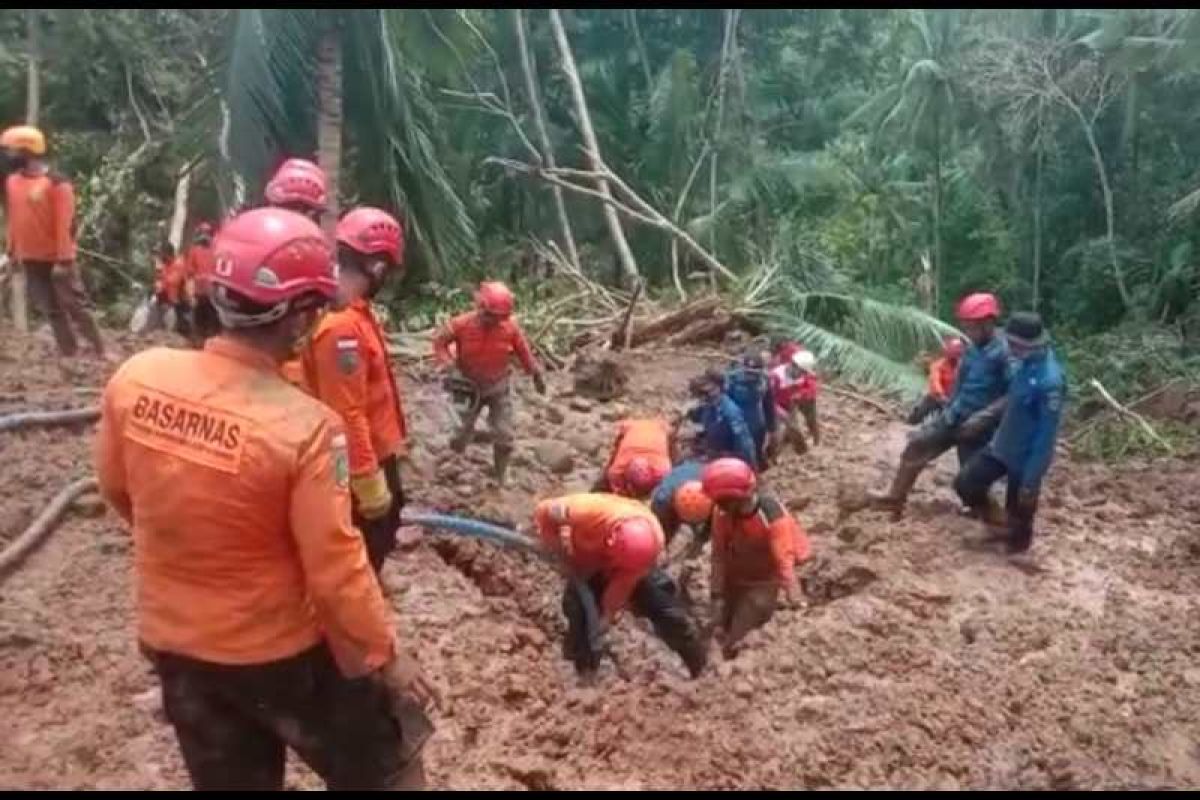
(756, 545)
(1023, 446)
(749, 386)
(640, 458)
(485, 340)
(199, 262)
(609, 548)
(794, 388)
(723, 428)
(973, 412)
(256, 602)
(346, 367)
(40, 205)
(943, 371)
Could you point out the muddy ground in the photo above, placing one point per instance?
(918, 663)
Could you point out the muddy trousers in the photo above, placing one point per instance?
(61, 296)
(927, 405)
(234, 724)
(498, 402)
(747, 607)
(380, 534)
(655, 598)
(789, 425)
(972, 484)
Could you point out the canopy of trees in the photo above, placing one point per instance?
(873, 162)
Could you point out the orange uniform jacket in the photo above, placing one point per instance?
(41, 213)
(200, 263)
(235, 486)
(942, 373)
(171, 280)
(483, 353)
(762, 548)
(346, 367)
(591, 517)
(640, 438)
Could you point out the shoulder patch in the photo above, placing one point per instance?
(347, 355)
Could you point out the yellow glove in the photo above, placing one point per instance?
(371, 492)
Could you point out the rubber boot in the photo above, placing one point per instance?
(500, 456)
(897, 496)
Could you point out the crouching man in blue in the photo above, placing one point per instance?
(1023, 446)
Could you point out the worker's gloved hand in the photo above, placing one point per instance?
(371, 492)
(1027, 499)
(791, 596)
(403, 676)
(539, 383)
(61, 270)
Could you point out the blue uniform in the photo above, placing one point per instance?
(1024, 442)
(751, 390)
(982, 379)
(663, 498)
(724, 432)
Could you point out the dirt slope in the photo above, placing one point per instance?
(918, 663)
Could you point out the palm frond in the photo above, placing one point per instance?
(865, 340)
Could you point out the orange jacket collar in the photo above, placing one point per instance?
(231, 348)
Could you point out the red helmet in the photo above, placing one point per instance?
(729, 479)
(300, 182)
(634, 544)
(640, 477)
(269, 257)
(978, 306)
(372, 231)
(495, 298)
(953, 347)
(691, 504)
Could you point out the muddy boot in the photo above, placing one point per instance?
(500, 457)
(895, 497)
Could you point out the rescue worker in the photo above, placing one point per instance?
(256, 603)
(609, 548)
(346, 367)
(756, 545)
(1023, 447)
(171, 287)
(748, 386)
(942, 373)
(199, 261)
(794, 387)
(641, 457)
(40, 204)
(680, 499)
(723, 429)
(299, 185)
(973, 412)
(485, 340)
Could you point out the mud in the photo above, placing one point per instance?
(916, 663)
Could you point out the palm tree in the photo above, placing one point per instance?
(920, 106)
(298, 80)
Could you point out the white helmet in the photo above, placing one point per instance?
(805, 360)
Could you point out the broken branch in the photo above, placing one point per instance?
(1131, 415)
